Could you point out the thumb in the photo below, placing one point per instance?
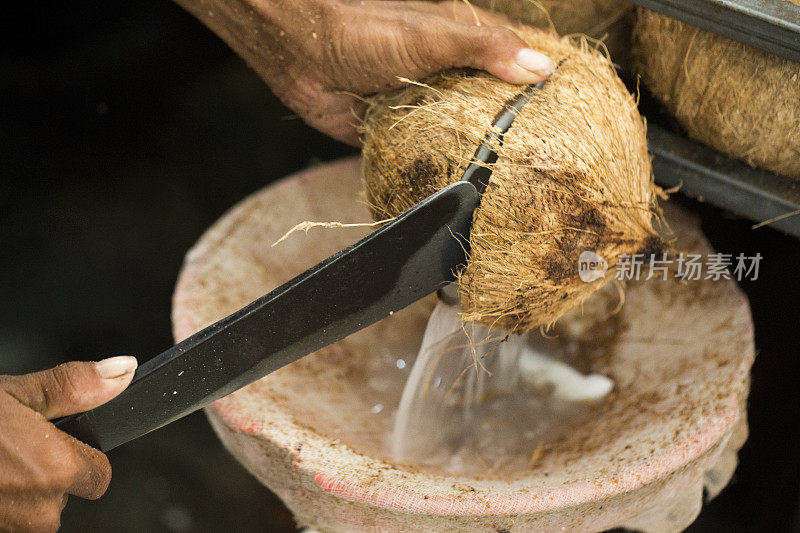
(481, 40)
(72, 387)
(501, 52)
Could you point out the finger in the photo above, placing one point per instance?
(503, 53)
(94, 477)
(31, 513)
(72, 387)
(441, 42)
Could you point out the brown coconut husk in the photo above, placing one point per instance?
(610, 21)
(572, 175)
(591, 17)
(736, 98)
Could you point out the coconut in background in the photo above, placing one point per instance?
(738, 99)
(607, 23)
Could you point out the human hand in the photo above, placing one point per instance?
(40, 465)
(321, 56)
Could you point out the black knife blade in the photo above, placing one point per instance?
(408, 258)
(394, 266)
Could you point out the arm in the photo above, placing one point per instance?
(318, 56)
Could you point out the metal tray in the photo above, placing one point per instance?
(701, 171)
(705, 174)
(771, 25)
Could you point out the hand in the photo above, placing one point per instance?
(40, 465)
(321, 56)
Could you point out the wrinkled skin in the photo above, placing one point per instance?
(321, 56)
(41, 466)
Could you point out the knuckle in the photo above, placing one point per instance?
(64, 385)
(331, 33)
(343, 53)
(48, 475)
(40, 480)
(495, 38)
(492, 44)
(61, 479)
(422, 51)
(60, 469)
(333, 53)
(41, 516)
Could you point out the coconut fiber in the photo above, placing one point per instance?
(606, 21)
(734, 97)
(592, 17)
(573, 175)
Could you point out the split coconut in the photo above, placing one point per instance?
(738, 99)
(573, 175)
(314, 431)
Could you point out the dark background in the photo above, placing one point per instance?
(126, 128)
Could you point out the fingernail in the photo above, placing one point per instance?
(115, 367)
(534, 61)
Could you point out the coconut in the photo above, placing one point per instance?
(736, 98)
(573, 175)
(607, 20)
(592, 17)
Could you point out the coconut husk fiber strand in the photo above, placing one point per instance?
(572, 175)
(735, 98)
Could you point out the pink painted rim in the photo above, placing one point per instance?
(513, 502)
